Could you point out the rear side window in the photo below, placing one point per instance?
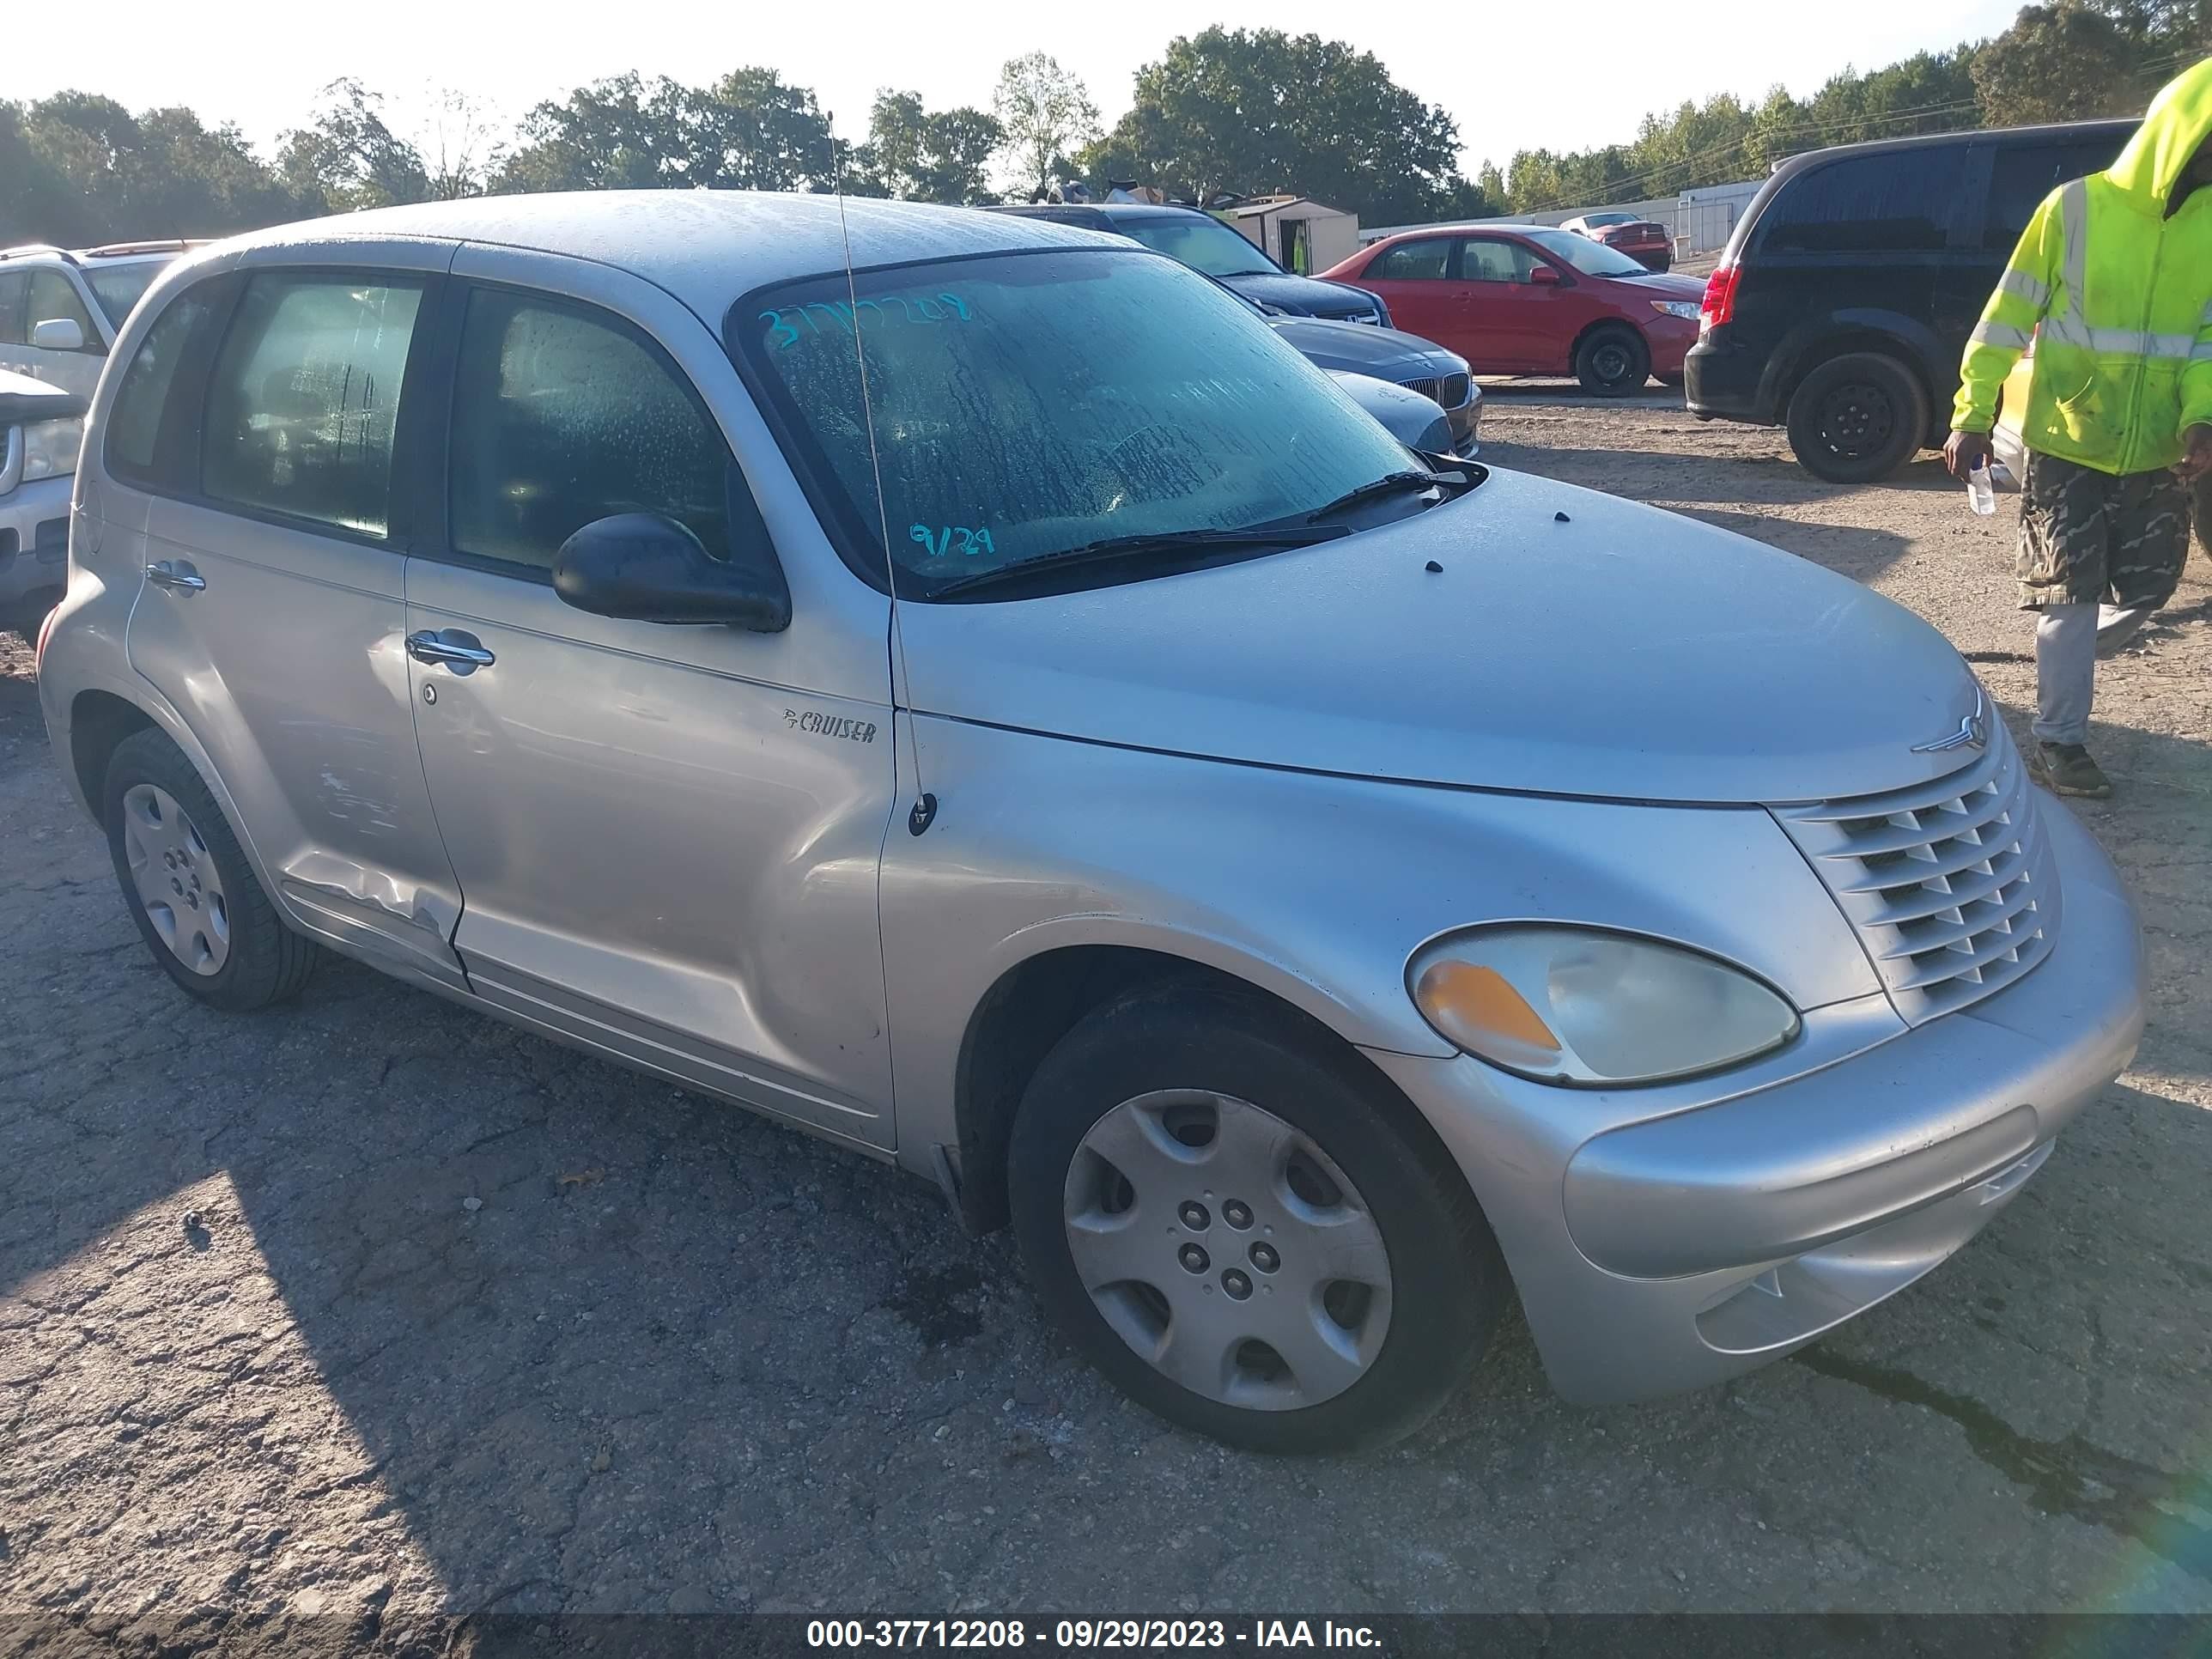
(304, 395)
(562, 416)
(54, 299)
(1896, 203)
(134, 420)
(15, 293)
(1426, 260)
(2021, 175)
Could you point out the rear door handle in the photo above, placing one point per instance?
(176, 575)
(456, 648)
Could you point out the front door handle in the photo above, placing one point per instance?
(459, 650)
(176, 575)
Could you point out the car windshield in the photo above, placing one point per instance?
(1591, 259)
(1201, 243)
(1603, 219)
(119, 287)
(1027, 406)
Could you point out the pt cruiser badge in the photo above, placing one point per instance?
(813, 720)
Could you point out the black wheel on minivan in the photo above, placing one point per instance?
(1857, 417)
(1249, 1233)
(1613, 362)
(188, 885)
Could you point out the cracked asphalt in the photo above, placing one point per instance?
(369, 1313)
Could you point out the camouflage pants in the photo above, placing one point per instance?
(2087, 536)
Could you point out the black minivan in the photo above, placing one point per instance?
(1843, 304)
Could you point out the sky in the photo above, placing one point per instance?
(1516, 74)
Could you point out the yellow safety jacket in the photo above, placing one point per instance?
(2117, 293)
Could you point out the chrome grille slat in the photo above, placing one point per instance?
(1949, 883)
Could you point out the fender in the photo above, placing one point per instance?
(1314, 888)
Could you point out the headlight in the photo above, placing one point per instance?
(49, 448)
(1580, 1006)
(1686, 309)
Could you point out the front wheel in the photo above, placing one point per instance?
(1857, 418)
(1613, 362)
(1250, 1234)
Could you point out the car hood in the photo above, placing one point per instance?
(1573, 643)
(1364, 349)
(1303, 296)
(1664, 285)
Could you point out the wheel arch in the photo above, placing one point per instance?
(99, 723)
(1911, 344)
(1039, 999)
(1612, 322)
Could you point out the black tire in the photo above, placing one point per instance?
(1857, 418)
(2200, 510)
(1613, 362)
(1447, 1281)
(267, 962)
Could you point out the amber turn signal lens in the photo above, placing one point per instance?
(1477, 1008)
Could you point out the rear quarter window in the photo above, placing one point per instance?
(2021, 175)
(141, 407)
(1897, 201)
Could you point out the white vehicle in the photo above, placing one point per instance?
(61, 311)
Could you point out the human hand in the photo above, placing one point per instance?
(1966, 451)
(2195, 453)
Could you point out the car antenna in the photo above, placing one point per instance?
(925, 804)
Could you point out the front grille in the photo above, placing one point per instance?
(1451, 392)
(1950, 884)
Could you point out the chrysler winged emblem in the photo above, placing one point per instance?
(1973, 733)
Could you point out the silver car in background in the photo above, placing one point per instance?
(993, 704)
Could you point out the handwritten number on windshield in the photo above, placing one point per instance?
(789, 325)
(972, 542)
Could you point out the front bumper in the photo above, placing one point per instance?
(34, 549)
(1684, 1240)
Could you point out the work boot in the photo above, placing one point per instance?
(2065, 769)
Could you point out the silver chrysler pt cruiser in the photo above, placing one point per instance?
(961, 685)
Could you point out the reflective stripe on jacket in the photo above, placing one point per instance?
(2117, 295)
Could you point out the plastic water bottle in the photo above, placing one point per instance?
(1981, 491)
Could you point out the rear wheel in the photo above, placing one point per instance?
(1613, 362)
(1857, 417)
(189, 886)
(1246, 1233)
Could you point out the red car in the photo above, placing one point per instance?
(1641, 239)
(1531, 300)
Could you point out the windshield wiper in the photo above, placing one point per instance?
(1140, 545)
(1388, 484)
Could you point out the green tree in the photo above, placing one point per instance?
(2059, 63)
(1252, 110)
(347, 157)
(1043, 112)
(618, 133)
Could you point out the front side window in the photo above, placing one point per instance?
(303, 396)
(134, 420)
(2021, 175)
(1483, 259)
(1427, 260)
(1201, 243)
(562, 418)
(1900, 202)
(14, 308)
(119, 287)
(54, 299)
(1028, 405)
(1580, 253)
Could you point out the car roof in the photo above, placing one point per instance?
(2004, 137)
(1462, 227)
(704, 246)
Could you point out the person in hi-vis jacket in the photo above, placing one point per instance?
(2112, 281)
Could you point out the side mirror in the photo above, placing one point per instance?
(57, 334)
(1544, 275)
(646, 568)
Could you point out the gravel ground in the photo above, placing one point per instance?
(368, 1313)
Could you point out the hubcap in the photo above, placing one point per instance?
(1859, 420)
(1611, 362)
(177, 883)
(1228, 1249)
